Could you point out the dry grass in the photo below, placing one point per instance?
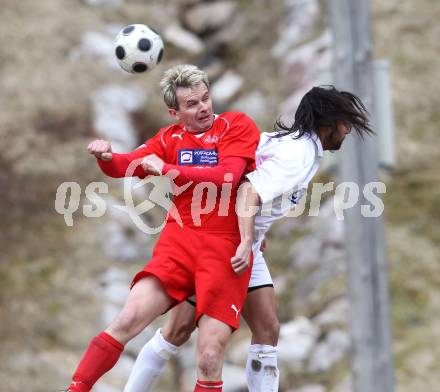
(407, 33)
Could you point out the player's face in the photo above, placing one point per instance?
(195, 108)
(336, 138)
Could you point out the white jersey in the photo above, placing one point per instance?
(285, 167)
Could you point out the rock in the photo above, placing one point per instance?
(326, 223)
(234, 378)
(344, 386)
(101, 386)
(97, 47)
(183, 39)
(297, 339)
(118, 245)
(117, 377)
(253, 104)
(307, 252)
(287, 227)
(303, 68)
(334, 315)
(187, 354)
(320, 258)
(320, 286)
(135, 345)
(224, 89)
(116, 293)
(122, 241)
(303, 65)
(212, 65)
(299, 22)
(112, 275)
(310, 388)
(108, 314)
(281, 283)
(104, 3)
(112, 106)
(290, 104)
(325, 241)
(330, 351)
(226, 36)
(237, 353)
(207, 17)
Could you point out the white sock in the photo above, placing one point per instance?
(262, 372)
(150, 363)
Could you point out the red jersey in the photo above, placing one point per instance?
(232, 134)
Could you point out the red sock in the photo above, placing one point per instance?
(211, 386)
(101, 355)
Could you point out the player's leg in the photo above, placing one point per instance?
(158, 350)
(260, 314)
(179, 327)
(146, 301)
(211, 344)
(220, 294)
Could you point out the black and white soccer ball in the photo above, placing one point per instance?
(138, 48)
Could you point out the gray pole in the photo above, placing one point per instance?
(371, 355)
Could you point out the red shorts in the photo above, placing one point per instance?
(189, 262)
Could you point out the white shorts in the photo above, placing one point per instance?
(260, 276)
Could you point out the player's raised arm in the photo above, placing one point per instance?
(101, 149)
(123, 165)
(247, 205)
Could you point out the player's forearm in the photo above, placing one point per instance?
(248, 202)
(122, 165)
(230, 169)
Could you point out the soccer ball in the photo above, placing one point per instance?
(138, 48)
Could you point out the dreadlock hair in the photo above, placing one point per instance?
(325, 106)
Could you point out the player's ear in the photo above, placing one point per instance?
(173, 113)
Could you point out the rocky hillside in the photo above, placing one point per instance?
(61, 87)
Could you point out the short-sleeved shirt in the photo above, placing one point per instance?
(285, 166)
(233, 134)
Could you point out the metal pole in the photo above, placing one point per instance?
(371, 355)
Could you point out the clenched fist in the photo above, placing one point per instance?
(241, 261)
(152, 164)
(101, 149)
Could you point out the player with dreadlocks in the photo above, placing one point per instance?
(287, 159)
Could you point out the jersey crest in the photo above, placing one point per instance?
(197, 157)
(296, 196)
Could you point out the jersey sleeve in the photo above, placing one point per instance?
(278, 174)
(129, 164)
(240, 139)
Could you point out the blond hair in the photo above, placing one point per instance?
(182, 75)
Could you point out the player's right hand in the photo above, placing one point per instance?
(101, 149)
(240, 262)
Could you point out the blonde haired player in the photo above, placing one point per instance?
(200, 147)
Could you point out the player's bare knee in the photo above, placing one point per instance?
(179, 333)
(209, 361)
(125, 322)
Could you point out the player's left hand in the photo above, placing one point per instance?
(240, 262)
(152, 164)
